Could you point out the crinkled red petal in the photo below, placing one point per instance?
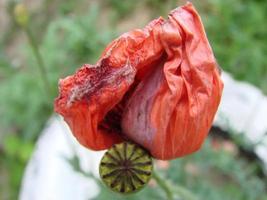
(159, 87)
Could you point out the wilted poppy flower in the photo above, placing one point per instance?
(159, 87)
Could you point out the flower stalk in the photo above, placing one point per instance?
(172, 190)
(39, 59)
(163, 184)
(21, 16)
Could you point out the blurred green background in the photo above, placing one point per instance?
(71, 33)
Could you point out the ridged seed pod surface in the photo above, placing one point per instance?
(126, 167)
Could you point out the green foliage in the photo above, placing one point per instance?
(237, 32)
(121, 8)
(20, 113)
(14, 147)
(16, 153)
(147, 193)
(5, 67)
(218, 175)
(71, 41)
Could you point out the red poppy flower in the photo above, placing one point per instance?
(159, 87)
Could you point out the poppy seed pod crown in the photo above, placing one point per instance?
(158, 87)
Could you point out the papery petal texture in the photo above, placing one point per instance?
(159, 87)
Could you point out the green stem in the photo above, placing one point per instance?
(163, 184)
(172, 190)
(39, 59)
(184, 193)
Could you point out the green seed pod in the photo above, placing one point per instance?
(126, 168)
